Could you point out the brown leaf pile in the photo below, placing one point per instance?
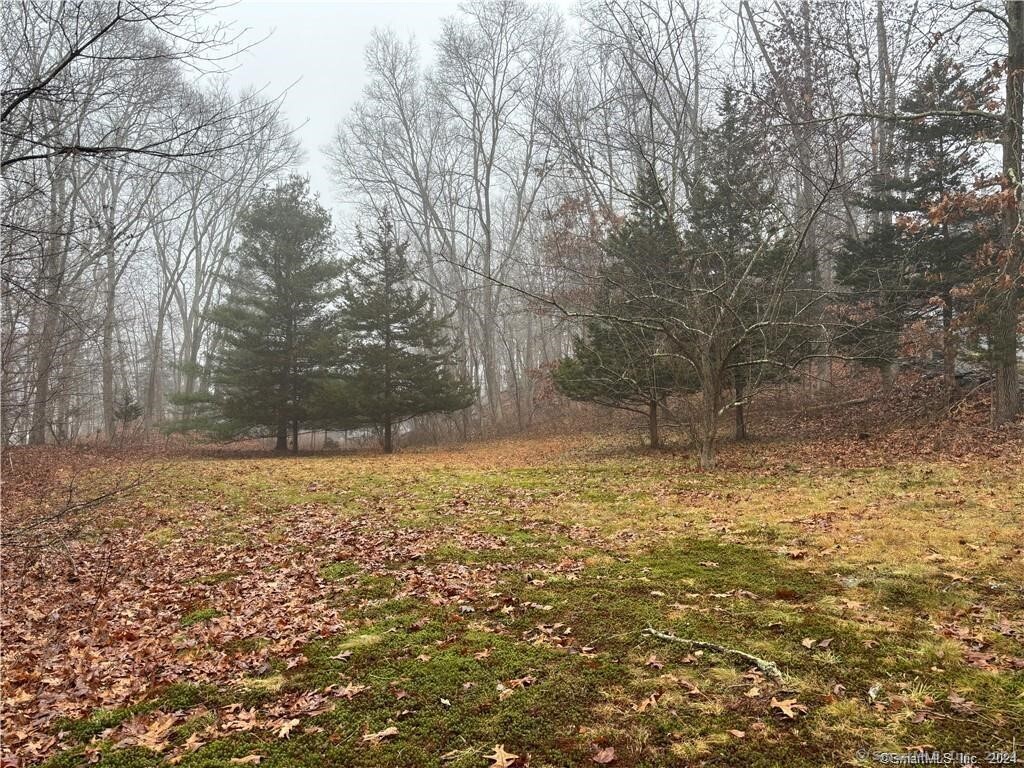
(107, 630)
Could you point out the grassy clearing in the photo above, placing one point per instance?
(498, 595)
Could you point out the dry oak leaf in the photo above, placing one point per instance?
(193, 742)
(788, 707)
(155, 737)
(500, 758)
(286, 728)
(651, 702)
(379, 736)
(351, 690)
(810, 642)
(522, 682)
(152, 736)
(604, 756)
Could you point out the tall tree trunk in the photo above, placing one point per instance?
(652, 423)
(808, 191)
(492, 378)
(1006, 388)
(153, 382)
(514, 374)
(46, 353)
(10, 409)
(295, 435)
(528, 364)
(50, 284)
(949, 349)
(707, 452)
(740, 432)
(107, 362)
(282, 435)
(388, 447)
(186, 370)
(707, 426)
(62, 417)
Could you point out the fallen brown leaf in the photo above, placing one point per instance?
(788, 707)
(500, 758)
(379, 736)
(604, 756)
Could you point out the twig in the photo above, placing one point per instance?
(770, 668)
(964, 398)
(54, 527)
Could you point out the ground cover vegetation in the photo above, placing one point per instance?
(430, 608)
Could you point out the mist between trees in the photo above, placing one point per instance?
(656, 206)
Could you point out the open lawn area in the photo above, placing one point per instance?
(488, 605)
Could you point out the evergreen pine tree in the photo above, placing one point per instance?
(735, 229)
(278, 325)
(915, 251)
(401, 362)
(615, 361)
(614, 365)
(946, 152)
(733, 203)
(127, 411)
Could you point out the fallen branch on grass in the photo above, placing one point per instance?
(56, 526)
(770, 668)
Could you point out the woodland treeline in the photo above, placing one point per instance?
(658, 206)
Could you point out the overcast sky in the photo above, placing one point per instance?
(319, 47)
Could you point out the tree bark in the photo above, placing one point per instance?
(388, 447)
(295, 435)
(282, 436)
(492, 379)
(151, 414)
(652, 423)
(44, 365)
(949, 351)
(707, 452)
(51, 281)
(1006, 388)
(707, 427)
(107, 364)
(741, 421)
